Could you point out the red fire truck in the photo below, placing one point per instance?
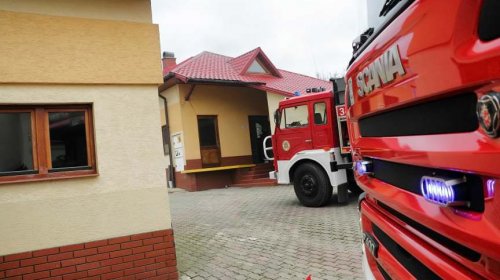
(311, 147)
(423, 98)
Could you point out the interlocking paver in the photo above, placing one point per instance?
(263, 233)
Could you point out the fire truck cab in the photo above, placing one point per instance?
(310, 146)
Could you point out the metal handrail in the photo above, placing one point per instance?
(267, 148)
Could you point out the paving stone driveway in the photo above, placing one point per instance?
(263, 233)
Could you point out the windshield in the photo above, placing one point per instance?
(373, 8)
(377, 14)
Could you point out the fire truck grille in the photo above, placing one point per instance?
(444, 241)
(383, 272)
(406, 259)
(449, 115)
(407, 177)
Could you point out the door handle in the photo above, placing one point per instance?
(308, 140)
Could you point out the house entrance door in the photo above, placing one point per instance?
(259, 129)
(209, 141)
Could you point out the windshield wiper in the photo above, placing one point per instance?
(389, 4)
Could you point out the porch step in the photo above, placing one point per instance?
(258, 182)
(255, 176)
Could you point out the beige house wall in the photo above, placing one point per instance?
(104, 53)
(120, 10)
(174, 109)
(51, 49)
(232, 105)
(129, 195)
(273, 100)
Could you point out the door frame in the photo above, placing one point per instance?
(216, 127)
(298, 138)
(253, 137)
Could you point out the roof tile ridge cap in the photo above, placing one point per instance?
(217, 54)
(241, 55)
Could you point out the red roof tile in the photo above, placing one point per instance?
(212, 66)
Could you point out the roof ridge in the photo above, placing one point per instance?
(248, 52)
(208, 52)
(182, 64)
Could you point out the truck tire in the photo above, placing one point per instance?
(311, 185)
(353, 187)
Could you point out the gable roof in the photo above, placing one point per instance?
(208, 66)
(243, 62)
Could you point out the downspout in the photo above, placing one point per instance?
(171, 173)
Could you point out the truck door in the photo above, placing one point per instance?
(294, 133)
(321, 125)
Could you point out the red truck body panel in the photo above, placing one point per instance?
(309, 137)
(442, 57)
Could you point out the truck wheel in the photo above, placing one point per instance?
(353, 187)
(311, 185)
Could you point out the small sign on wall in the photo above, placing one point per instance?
(178, 151)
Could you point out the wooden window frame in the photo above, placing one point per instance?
(41, 150)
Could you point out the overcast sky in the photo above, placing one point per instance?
(305, 36)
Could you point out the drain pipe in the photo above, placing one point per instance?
(171, 173)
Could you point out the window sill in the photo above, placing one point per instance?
(48, 176)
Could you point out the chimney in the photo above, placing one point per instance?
(169, 62)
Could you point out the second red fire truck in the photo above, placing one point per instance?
(311, 147)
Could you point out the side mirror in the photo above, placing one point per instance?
(361, 39)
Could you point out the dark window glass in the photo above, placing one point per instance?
(320, 113)
(68, 142)
(207, 132)
(340, 98)
(165, 136)
(16, 147)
